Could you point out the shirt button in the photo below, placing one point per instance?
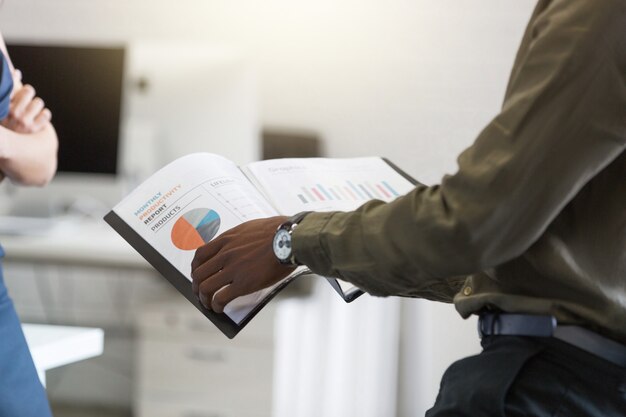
(467, 291)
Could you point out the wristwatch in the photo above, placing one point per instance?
(282, 240)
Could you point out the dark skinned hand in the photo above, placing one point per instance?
(238, 262)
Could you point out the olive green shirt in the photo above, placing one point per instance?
(534, 220)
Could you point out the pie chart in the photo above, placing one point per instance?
(195, 228)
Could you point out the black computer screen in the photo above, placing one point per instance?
(82, 87)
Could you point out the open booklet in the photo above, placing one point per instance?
(197, 197)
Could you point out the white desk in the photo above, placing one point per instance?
(82, 272)
(70, 241)
(54, 346)
(79, 272)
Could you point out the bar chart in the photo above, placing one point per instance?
(326, 184)
(347, 191)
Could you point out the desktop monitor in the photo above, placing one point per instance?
(199, 98)
(82, 86)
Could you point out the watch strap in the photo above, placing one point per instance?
(297, 218)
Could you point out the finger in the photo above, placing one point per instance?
(24, 93)
(17, 81)
(224, 296)
(213, 265)
(205, 252)
(17, 76)
(203, 273)
(200, 271)
(32, 110)
(46, 114)
(42, 119)
(21, 100)
(209, 286)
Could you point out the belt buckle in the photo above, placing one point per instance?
(487, 324)
(481, 321)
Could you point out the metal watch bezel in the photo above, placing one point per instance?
(288, 228)
(283, 235)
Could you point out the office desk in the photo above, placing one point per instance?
(54, 346)
(69, 241)
(82, 273)
(79, 272)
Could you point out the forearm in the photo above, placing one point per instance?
(415, 246)
(29, 159)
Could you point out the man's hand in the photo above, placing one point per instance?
(238, 262)
(27, 112)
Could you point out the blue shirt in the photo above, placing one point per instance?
(6, 86)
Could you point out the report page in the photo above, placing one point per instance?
(189, 202)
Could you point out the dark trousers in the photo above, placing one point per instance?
(21, 393)
(531, 377)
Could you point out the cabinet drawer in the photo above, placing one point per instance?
(181, 409)
(181, 319)
(212, 371)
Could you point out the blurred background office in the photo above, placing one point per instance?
(146, 81)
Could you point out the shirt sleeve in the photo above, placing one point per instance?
(6, 87)
(563, 120)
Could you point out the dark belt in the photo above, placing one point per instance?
(494, 324)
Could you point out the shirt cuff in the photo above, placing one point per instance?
(307, 247)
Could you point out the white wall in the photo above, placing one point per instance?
(413, 80)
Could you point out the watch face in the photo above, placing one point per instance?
(282, 244)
